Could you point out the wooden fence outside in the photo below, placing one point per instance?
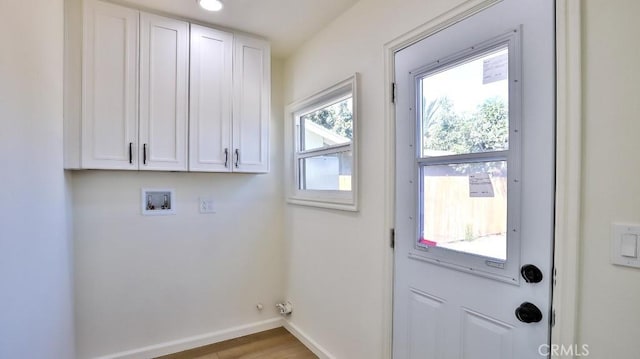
(450, 214)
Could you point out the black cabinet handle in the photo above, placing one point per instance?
(237, 158)
(144, 154)
(130, 153)
(226, 157)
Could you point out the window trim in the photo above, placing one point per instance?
(340, 200)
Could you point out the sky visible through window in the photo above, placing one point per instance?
(464, 86)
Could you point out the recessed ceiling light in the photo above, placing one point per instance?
(210, 5)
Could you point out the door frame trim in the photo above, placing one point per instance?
(568, 171)
(568, 161)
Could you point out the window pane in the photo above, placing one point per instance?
(330, 172)
(328, 126)
(464, 208)
(465, 108)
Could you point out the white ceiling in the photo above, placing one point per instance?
(286, 23)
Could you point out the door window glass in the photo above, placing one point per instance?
(465, 208)
(465, 107)
(464, 135)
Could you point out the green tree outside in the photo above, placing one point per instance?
(486, 129)
(338, 118)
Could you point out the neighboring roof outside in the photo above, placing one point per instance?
(330, 137)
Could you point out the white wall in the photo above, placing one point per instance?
(609, 310)
(335, 260)
(143, 281)
(36, 315)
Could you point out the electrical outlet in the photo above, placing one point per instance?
(206, 205)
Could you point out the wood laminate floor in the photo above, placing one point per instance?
(272, 344)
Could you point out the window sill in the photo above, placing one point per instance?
(320, 203)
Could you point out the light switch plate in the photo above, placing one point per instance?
(625, 239)
(629, 245)
(207, 205)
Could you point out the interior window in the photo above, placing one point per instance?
(325, 138)
(324, 131)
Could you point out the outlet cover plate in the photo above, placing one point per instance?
(207, 205)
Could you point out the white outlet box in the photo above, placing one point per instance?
(158, 202)
(207, 205)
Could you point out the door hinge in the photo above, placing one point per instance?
(393, 92)
(393, 238)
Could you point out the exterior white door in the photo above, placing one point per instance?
(475, 119)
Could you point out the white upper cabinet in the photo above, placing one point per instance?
(161, 94)
(210, 100)
(251, 105)
(230, 97)
(110, 96)
(164, 69)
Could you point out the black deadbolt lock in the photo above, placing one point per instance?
(531, 273)
(528, 313)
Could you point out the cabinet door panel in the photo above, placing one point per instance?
(163, 93)
(210, 100)
(251, 110)
(109, 116)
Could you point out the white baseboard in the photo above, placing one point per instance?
(197, 341)
(321, 352)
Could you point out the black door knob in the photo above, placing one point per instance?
(528, 313)
(531, 273)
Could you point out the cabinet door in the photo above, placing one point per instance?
(251, 105)
(109, 87)
(164, 69)
(210, 100)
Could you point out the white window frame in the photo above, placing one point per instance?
(341, 200)
(507, 270)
